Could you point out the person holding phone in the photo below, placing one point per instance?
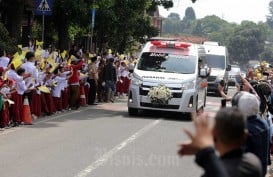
(222, 93)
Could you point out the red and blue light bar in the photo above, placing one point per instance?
(164, 44)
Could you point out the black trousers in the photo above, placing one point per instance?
(92, 91)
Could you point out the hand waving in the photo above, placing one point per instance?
(202, 138)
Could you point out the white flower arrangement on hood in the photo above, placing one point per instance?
(160, 94)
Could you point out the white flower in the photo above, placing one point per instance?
(160, 94)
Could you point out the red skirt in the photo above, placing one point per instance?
(50, 103)
(119, 87)
(58, 103)
(36, 104)
(44, 104)
(17, 107)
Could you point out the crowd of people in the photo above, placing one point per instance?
(242, 133)
(53, 82)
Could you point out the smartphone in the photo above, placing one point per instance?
(223, 103)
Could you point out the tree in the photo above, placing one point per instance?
(187, 22)
(269, 18)
(12, 12)
(117, 21)
(7, 43)
(174, 16)
(66, 13)
(247, 41)
(172, 24)
(189, 14)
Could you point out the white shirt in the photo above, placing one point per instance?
(30, 68)
(65, 83)
(4, 62)
(14, 76)
(20, 83)
(57, 90)
(21, 87)
(123, 71)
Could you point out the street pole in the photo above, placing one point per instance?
(92, 24)
(43, 28)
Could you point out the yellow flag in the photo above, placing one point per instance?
(16, 55)
(63, 54)
(38, 53)
(90, 55)
(44, 89)
(24, 53)
(17, 62)
(42, 63)
(39, 43)
(52, 63)
(109, 51)
(121, 56)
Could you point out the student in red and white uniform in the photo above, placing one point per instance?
(36, 106)
(41, 81)
(6, 90)
(17, 97)
(124, 77)
(49, 82)
(65, 91)
(31, 69)
(57, 90)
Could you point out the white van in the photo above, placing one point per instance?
(177, 66)
(217, 60)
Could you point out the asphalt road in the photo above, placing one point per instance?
(100, 141)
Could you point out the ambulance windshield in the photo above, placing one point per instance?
(168, 63)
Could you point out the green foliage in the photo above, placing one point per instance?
(247, 41)
(6, 42)
(118, 23)
(154, 3)
(208, 25)
(269, 17)
(172, 25)
(267, 54)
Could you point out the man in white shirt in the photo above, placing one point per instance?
(31, 69)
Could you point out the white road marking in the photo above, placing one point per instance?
(106, 156)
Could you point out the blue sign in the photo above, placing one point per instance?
(43, 7)
(93, 18)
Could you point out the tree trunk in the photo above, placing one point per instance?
(14, 16)
(63, 33)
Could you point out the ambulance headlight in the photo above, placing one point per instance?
(188, 85)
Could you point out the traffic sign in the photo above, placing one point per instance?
(43, 7)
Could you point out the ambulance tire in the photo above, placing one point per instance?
(132, 111)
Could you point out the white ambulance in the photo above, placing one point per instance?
(218, 61)
(178, 68)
